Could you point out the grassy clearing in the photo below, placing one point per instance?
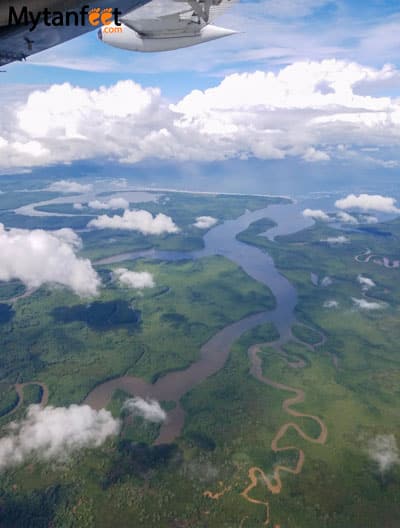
(306, 334)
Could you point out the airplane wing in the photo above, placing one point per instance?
(17, 39)
(172, 25)
(189, 17)
(208, 10)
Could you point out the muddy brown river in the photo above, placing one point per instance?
(220, 240)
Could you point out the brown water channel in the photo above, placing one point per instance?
(220, 240)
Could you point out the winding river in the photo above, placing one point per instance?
(220, 240)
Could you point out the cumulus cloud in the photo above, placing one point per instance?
(363, 304)
(368, 202)
(112, 203)
(365, 282)
(346, 218)
(316, 214)
(205, 222)
(148, 409)
(369, 219)
(67, 186)
(141, 221)
(336, 240)
(65, 234)
(326, 281)
(331, 303)
(54, 433)
(135, 279)
(41, 257)
(310, 110)
(78, 206)
(384, 451)
(313, 155)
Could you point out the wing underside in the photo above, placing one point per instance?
(185, 17)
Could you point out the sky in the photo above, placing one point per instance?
(313, 80)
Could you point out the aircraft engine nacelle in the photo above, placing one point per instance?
(126, 38)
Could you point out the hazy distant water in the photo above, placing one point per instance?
(283, 177)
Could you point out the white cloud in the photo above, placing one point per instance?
(310, 110)
(313, 155)
(32, 149)
(135, 279)
(40, 257)
(205, 222)
(141, 221)
(78, 206)
(367, 305)
(368, 219)
(326, 281)
(112, 203)
(67, 186)
(316, 214)
(54, 433)
(65, 234)
(150, 410)
(336, 240)
(346, 218)
(365, 282)
(368, 202)
(384, 451)
(331, 304)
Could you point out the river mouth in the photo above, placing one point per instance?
(220, 240)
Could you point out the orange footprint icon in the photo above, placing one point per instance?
(94, 16)
(106, 16)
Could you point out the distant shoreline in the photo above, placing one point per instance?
(185, 191)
